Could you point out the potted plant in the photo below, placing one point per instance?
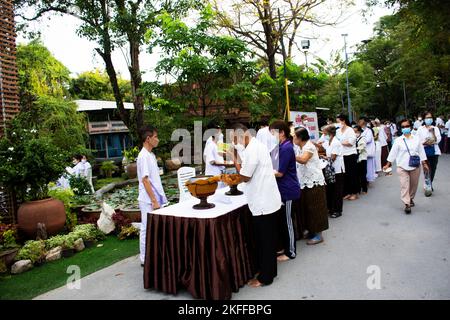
(108, 168)
(8, 244)
(130, 162)
(28, 164)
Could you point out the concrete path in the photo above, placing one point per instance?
(412, 254)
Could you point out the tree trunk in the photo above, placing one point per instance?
(136, 81)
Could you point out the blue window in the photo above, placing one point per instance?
(98, 145)
(115, 146)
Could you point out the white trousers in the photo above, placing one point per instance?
(145, 208)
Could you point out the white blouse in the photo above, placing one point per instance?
(335, 148)
(310, 174)
(400, 154)
(347, 136)
(424, 134)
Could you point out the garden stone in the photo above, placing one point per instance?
(21, 266)
(79, 245)
(173, 164)
(54, 254)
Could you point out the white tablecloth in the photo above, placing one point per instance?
(224, 204)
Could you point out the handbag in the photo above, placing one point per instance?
(414, 161)
(430, 151)
(329, 173)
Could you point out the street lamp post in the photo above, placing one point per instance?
(305, 47)
(348, 89)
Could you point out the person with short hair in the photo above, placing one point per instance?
(151, 193)
(87, 171)
(335, 190)
(347, 137)
(263, 198)
(430, 136)
(78, 169)
(361, 147)
(314, 211)
(404, 148)
(289, 188)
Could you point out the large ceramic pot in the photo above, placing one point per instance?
(50, 211)
(132, 170)
(133, 214)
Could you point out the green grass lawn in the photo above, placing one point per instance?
(53, 275)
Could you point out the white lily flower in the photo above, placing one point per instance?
(11, 149)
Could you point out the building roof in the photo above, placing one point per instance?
(96, 105)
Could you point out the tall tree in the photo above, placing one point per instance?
(257, 22)
(112, 24)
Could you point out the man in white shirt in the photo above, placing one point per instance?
(264, 200)
(151, 193)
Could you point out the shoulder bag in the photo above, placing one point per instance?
(414, 161)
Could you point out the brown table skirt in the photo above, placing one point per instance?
(211, 258)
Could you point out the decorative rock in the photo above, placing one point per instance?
(173, 164)
(79, 245)
(54, 254)
(105, 223)
(21, 266)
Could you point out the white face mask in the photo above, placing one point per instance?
(305, 122)
(83, 161)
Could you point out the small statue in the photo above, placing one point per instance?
(41, 233)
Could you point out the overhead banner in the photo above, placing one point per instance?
(312, 125)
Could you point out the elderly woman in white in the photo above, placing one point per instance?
(403, 151)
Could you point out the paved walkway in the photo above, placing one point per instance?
(412, 252)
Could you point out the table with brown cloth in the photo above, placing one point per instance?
(210, 253)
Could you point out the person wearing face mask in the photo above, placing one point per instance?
(430, 136)
(264, 200)
(361, 147)
(347, 137)
(151, 193)
(404, 152)
(370, 153)
(265, 137)
(78, 168)
(289, 188)
(418, 123)
(87, 171)
(335, 190)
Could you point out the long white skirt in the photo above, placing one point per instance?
(378, 167)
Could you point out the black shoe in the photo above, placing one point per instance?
(412, 204)
(407, 209)
(142, 265)
(336, 215)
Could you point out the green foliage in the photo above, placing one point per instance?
(29, 163)
(8, 236)
(210, 70)
(128, 232)
(40, 73)
(67, 197)
(95, 85)
(108, 168)
(131, 154)
(80, 185)
(33, 250)
(88, 232)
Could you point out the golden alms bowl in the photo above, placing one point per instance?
(202, 187)
(232, 180)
